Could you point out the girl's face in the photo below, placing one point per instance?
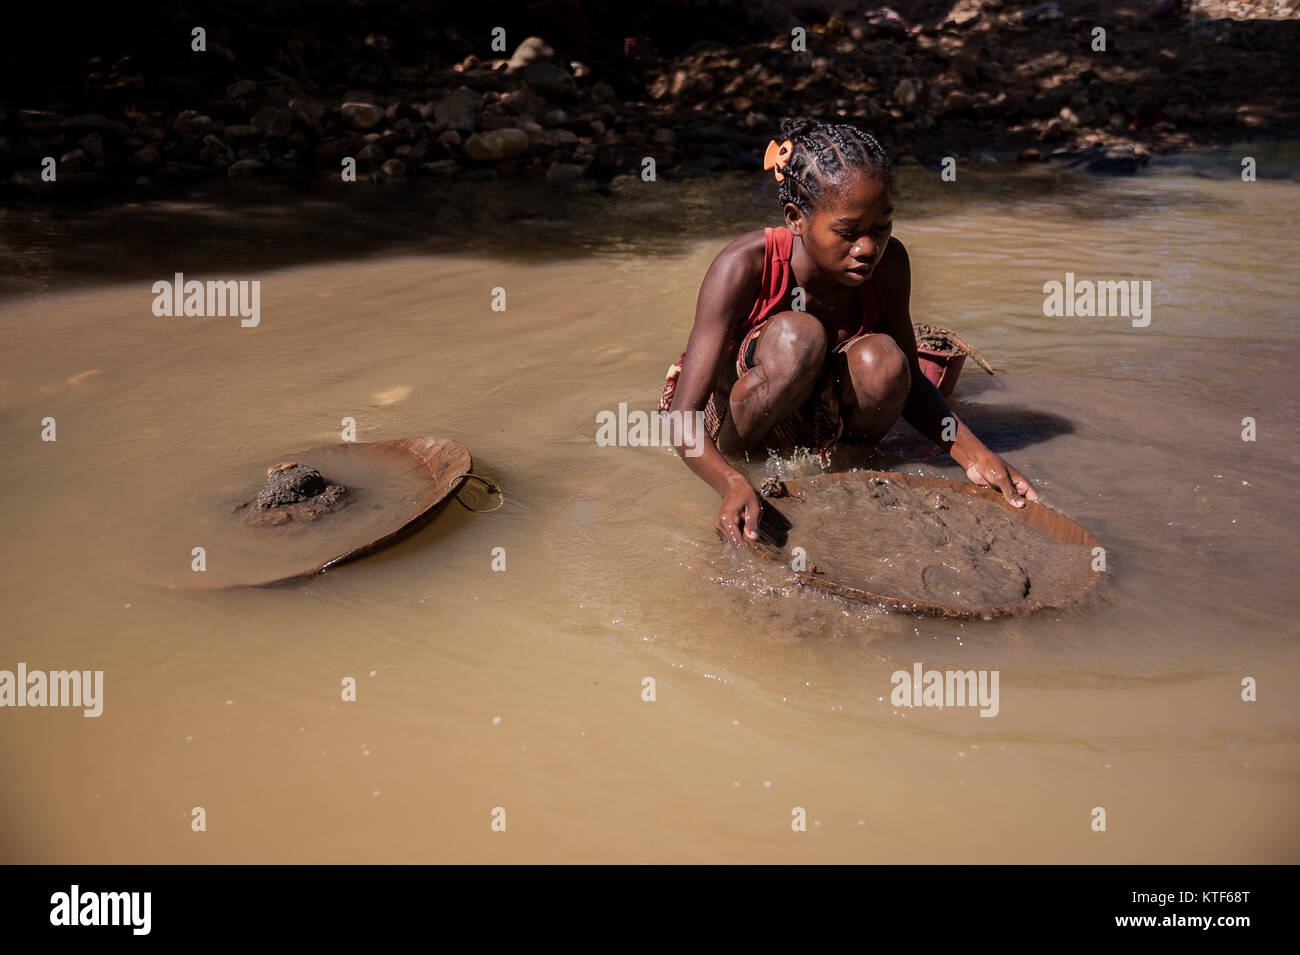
(848, 231)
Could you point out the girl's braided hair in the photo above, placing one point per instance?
(822, 157)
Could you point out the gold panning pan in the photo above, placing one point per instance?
(943, 512)
(366, 497)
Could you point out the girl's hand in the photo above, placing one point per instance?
(738, 517)
(988, 470)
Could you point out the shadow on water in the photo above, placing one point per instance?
(1004, 428)
(235, 227)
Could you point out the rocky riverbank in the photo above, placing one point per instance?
(930, 79)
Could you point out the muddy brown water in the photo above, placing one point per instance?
(522, 689)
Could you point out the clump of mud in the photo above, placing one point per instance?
(938, 340)
(294, 492)
(923, 544)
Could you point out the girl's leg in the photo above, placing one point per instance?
(874, 386)
(787, 360)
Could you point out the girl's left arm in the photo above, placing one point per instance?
(926, 410)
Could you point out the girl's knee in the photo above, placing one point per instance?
(796, 340)
(878, 359)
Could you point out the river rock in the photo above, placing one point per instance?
(550, 82)
(1053, 131)
(362, 115)
(958, 100)
(1009, 104)
(1118, 160)
(183, 124)
(964, 13)
(30, 179)
(243, 168)
(497, 144)
(1042, 13)
(394, 168)
(336, 149)
(964, 68)
(217, 148)
(93, 146)
(1248, 115)
(309, 114)
(148, 156)
(907, 92)
(443, 168)
(538, 137)
(243, 132)
(371, 154)
(414, 153)
(563, 171)
(523, 102)
(275, 123)
(495, 120)
(241, 89)
(101, 123)
(532, 50)
(458, 110)
(884, 21)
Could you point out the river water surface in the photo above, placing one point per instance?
(523, 690)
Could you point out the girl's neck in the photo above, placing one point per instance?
(807, 276)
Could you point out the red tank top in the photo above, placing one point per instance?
(778, 244)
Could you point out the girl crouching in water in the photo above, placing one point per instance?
(764, 373)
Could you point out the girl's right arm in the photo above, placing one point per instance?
(727, 295)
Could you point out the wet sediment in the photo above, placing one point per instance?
(928, 545)
(294, 492)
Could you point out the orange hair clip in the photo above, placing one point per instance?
(777, 156)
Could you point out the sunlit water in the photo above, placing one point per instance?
(522, 689)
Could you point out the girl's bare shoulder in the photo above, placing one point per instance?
(740, 263)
